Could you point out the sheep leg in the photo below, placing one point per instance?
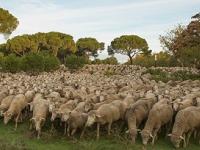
(38, 135)
(188, 137)
(195, 134)
(68, 130)
(52, 127)
(109, 127)
(16, 120)
(83, 131)
(184, 141)
(98, 127)
(65, 130)
(73, 132)
(31, 125)
(154, 135)
(21, 118)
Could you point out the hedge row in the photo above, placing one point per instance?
(32, 62)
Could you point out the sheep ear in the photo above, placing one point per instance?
(98, 116)
(32, 119)
(127, 132)
(180, 103)
(181, 137)
(151, 135)
(169, 134)
(139, 130)
(3, 114)
(194, 102)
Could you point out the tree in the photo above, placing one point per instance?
(164, 59)
(184, 43)
(8, 23)
(89, 46)
(56, 43)
(197, 16)
(129, 45)
(188, 45)
(167, 41)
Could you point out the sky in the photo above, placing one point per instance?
(102, 19)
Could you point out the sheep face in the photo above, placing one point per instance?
(7, 117)
(176, 140)
(91, 119)
(88, 106)
(38, 123)
(133, 135)
(54, 115)
(65, 117)
(145, 136)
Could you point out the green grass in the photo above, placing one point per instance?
(159, 75)
(23, 139)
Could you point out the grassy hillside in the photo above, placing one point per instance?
(23, 139)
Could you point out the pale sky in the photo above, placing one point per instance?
(102, 19)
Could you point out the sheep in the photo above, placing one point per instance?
(40, 112)
(63, 112)
(5, 103)
(185, 122)
(160, 114)
(66, 108)
(77, 120)
(3, 94)
(184, 102)
(106, 113)
(135, 114)
(29, 96)
(17, 105)
(37, 97)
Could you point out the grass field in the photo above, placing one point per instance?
(23, 139)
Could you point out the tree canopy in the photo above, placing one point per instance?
(197, 16)
(184, 43)
(129, 45)
(164, 59)
(89, 46)
(52, 42)
(167, 41)
(8, 22)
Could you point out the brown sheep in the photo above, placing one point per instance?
(17, 105)
(185, 122)
(36, 98)
(106, 113)
(29, 96)
(184, 102)
(40, 113)
(5, 104)
(135, 114)
(63, 112)
(159, 115)
(77, 120)
(3, 94)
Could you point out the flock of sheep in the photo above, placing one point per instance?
(88, 98)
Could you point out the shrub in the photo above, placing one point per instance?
(159, 75)
(74, 62)
(50, 63)
(111, 61)
(11, 63)
(97, 61)
(109, 73)
(32, 62)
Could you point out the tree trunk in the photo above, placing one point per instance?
(131, 59)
